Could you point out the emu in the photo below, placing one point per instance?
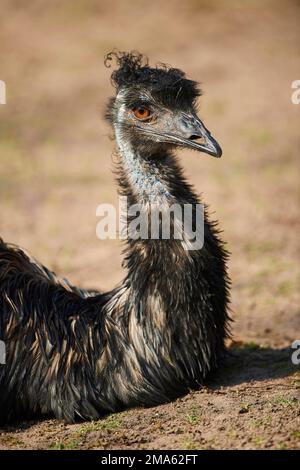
(78, 354)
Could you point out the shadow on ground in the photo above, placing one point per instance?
(252, 363)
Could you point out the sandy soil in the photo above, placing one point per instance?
(55, 168)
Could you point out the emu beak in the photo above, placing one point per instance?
(191, 132)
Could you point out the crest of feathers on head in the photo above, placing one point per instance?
(167, 84)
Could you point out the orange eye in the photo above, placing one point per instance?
(141, 112)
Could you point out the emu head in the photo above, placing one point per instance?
(154, 108)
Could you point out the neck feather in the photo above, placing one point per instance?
(155, 178)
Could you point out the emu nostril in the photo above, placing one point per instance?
(195, 137)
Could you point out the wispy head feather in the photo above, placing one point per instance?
(168, 84)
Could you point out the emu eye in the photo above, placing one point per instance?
(141, 112)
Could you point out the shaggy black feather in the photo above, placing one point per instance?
(73, 353)
(167, 84)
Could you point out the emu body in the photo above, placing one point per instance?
(75, 353)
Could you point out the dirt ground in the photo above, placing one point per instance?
(55, 168)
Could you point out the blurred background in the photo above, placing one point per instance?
(56, 150)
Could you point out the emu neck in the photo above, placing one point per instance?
(155, 178)
(144, 178)
(167, 293)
